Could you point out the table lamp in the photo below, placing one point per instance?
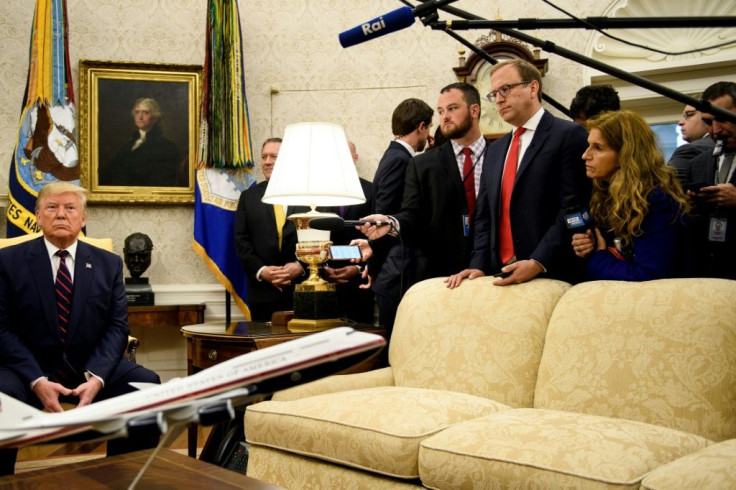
(314, 168)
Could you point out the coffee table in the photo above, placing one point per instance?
(168, 470)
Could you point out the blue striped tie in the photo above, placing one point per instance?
(64, 290)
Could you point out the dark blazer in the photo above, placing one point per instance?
(256, 243)
(713, 259)
(431, 215)
(388, 191)
(551, 169)
(29, 334)
(662, 250)
(355, 303)
(683, 155)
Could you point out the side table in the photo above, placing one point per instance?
(211, 343)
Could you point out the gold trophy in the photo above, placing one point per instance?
(315, 300)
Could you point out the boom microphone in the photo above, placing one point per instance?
(334, 223)
(398, 19)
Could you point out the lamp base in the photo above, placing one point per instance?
(298, 325)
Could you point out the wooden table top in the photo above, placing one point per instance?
(168, 470)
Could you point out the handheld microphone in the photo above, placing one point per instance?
(398, 19)
(334, 223)
(577, 217)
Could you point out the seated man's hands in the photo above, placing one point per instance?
(372, 231)
(87, 391)
(454, 280)
(48, 392)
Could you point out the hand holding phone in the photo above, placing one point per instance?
(696, 186)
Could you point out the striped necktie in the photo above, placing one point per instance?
(64, 289)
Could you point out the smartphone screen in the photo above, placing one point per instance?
(345, 252)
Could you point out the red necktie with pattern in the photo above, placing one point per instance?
(64, 289)
(469, 182)
(507, 186)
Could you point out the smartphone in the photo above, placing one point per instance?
(503, 275)
(345, 252)
(695, 186)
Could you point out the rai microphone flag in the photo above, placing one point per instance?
(225, 166)
(46, 147)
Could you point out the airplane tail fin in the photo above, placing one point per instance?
(13, 411)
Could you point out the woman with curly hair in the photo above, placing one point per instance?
(638, 206)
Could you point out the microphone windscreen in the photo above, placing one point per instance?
(329, 223)
(398, 19)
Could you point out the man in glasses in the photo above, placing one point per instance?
(529, 178)
(695, 132)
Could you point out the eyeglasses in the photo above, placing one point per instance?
(505, 90)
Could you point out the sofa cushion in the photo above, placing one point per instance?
(713, 468)
(480, 339)
(535, 448)
(377, 429)
(661, 352)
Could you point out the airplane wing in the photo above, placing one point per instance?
(203, 397)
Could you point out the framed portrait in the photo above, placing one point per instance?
(138, 131)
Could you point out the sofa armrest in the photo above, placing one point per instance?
(342, 382)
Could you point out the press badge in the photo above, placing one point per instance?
(717, 229)
(466, 225)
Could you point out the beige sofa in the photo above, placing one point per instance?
(541, 385)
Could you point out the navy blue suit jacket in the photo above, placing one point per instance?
(432, 210)
(551, 169)
(663, 250)
(30, 341)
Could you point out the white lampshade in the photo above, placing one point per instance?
(314, 168)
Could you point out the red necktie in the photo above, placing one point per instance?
(507, 186)
(469, 182)
(64, 289)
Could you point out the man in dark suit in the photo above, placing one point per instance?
(695, 132)
(66, 349)
(266, 250)
(440, 189)
(530, 175)
(355, 302)
(714, 210)
(410, 124)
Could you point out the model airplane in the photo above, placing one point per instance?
(205, 397)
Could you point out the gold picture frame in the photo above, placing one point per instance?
(121, 164)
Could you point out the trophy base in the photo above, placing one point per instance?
(316, 307)
(298, 325)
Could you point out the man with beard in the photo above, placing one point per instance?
(440, 189)
(531, 176)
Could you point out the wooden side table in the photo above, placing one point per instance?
(211, 343)
(165, 315)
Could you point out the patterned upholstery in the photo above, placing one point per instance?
(602, 385)
(455, 355)
(534, 448)
(713, 468)
(662, 352)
